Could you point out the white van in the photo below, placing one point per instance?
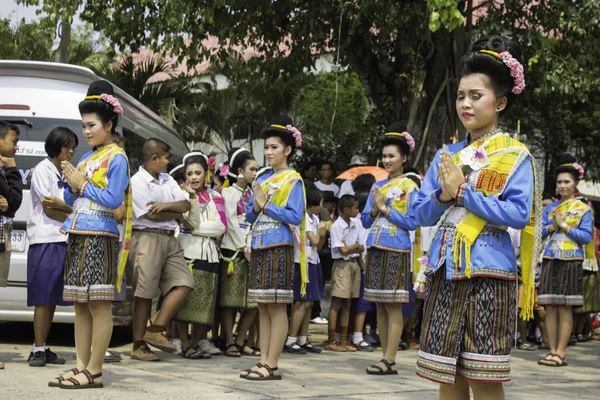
(37, 97)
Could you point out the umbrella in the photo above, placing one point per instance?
(351, 174)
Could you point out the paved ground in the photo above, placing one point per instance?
(325, 376)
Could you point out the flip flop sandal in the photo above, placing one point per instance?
(112, 357)
(195, 355)
(90, 385)
(563, 363)
(380, 370)
(205, 356)
(403, 345)
(253, 352)
(233, 350)
(548, 361)
(60, 379)
(261, 377)
(249, 371)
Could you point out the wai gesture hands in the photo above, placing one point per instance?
(451, 177)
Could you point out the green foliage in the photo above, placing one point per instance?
(445, 13)
(314, 107)
(25, 41)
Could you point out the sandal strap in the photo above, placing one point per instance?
(74, 381)
(377, 367)
(388, 364)
(269, 369)
(91, 377)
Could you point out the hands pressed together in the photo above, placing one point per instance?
(75, 178)
(450, 175)
(260, 197)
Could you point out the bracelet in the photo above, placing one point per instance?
(82, 187)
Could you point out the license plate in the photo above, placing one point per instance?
(17, 240)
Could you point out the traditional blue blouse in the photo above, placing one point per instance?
(580, 236)
(492, 254)
(382, 234)
(93, 211)
(271, 228)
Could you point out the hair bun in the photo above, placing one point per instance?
(566, 159)
(397, 126)
(99, 87)
(282, 120)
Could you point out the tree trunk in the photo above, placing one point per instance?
(62, 53)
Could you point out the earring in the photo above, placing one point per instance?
(240, 177)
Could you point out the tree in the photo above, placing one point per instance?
(326, 137)
(57, 13)
(24, 41)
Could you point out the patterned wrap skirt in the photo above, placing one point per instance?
(271, 275)
(233, 289)
(561, 283)
(467, 329)
(388, 276)
(91, 268)
(199, 306)
(591, 294)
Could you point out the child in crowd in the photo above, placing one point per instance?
(47, 245)
(202, 255)
(297, 341)
(360, 306)
(156, 255)
(11, 194)
(345, 275)
(233, 286)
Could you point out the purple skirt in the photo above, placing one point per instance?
(360, 304)
(45, 270)
(315, 289)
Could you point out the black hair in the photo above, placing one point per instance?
(329, 197)
(313, 196)
(565, 164)
(414, 175)
(325, 162)
(104, 110)
(547, 196)
(363, 182)
(155, 147)
(275, 129)
(58, 138)
(196, 159)
(346, 201)
(178, 175)
(476, 62)
(240, 161)
(6, 127)
(362, 196)
(398, 141)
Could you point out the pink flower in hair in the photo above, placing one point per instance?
(579, 168)
(114, 102)
(516, 71)
(296, 134)
(211, 161)
(409, 140)
(224, 170)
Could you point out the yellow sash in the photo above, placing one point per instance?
(278, 188)
(397, 194)
(98, 164)
(573, 210)
(505, 155)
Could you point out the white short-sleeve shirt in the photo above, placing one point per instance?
(45, 181)
(312, 254)
(343, 234)
(331, 187)
(145, 189)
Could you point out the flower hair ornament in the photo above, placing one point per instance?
(516, 69)
(409, 139)
(294, 131)
(194, 153)
(211, 161)
(577, 167)
(224, 171)
(107, 98)
(233, 156)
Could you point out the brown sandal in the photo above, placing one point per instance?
(380, 371)
(78, 385)
(249, 371)
(61, 378)
(262, 377)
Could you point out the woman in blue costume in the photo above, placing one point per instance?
(473, 191)
(95, 258)
(568, 226)
(277, 202)
(389, 219)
